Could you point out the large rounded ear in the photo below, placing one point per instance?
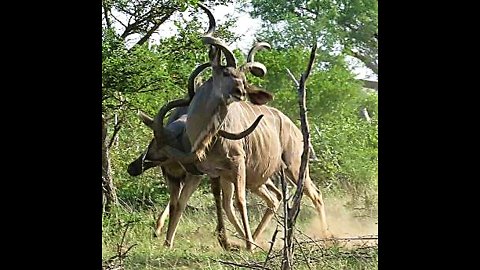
(258, 96)
(147, 120)
(256, 68)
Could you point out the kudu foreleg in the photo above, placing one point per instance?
(177, 206)
(240, 190)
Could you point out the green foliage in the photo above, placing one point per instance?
(350, 26)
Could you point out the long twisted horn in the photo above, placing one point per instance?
(231, 61)
(257, 47)
(241, 135)
(160, 132)
(256, 68)
(211, 20)
(191, 79)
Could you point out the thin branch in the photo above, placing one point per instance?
(118, 20)
(303, 253)
(286, 256)
(291, 214)
(306, 139)
(358, 238)
(292, 77)
(254, 266)
(155, 27)
(370, 84)
(311, 240)
(115, 131)
(312, 151)
(369, 63)
(365, 115)
(272, 242)
(106, 10)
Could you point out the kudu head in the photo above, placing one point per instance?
(228, 84)
(170, 135)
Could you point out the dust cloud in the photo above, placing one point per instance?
(344, 222)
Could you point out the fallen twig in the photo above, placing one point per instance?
(359, 238)
(251, 265)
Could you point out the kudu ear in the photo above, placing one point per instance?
(258, 96)
(147, 120)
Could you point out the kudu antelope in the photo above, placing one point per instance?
(182, 178)
(249, 162)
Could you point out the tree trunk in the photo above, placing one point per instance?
(109, 196)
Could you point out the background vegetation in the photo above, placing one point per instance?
(137, 74)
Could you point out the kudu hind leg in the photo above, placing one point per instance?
(174, 188)
(177, 207)
(161, 220)
(315, 196)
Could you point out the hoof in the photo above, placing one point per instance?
(234, 247)
(157, 233)
(167, 244)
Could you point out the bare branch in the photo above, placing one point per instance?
(106, 11)
(311, 11)
(154, 28)
(118, 20)
(251, 266)
(291, 214)
(115, 131)
(358, 238)
(293, 77)
(244, 239)
(365, 115)
(272, 242)
(286, 264)
(306, 137)
(303, 253)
